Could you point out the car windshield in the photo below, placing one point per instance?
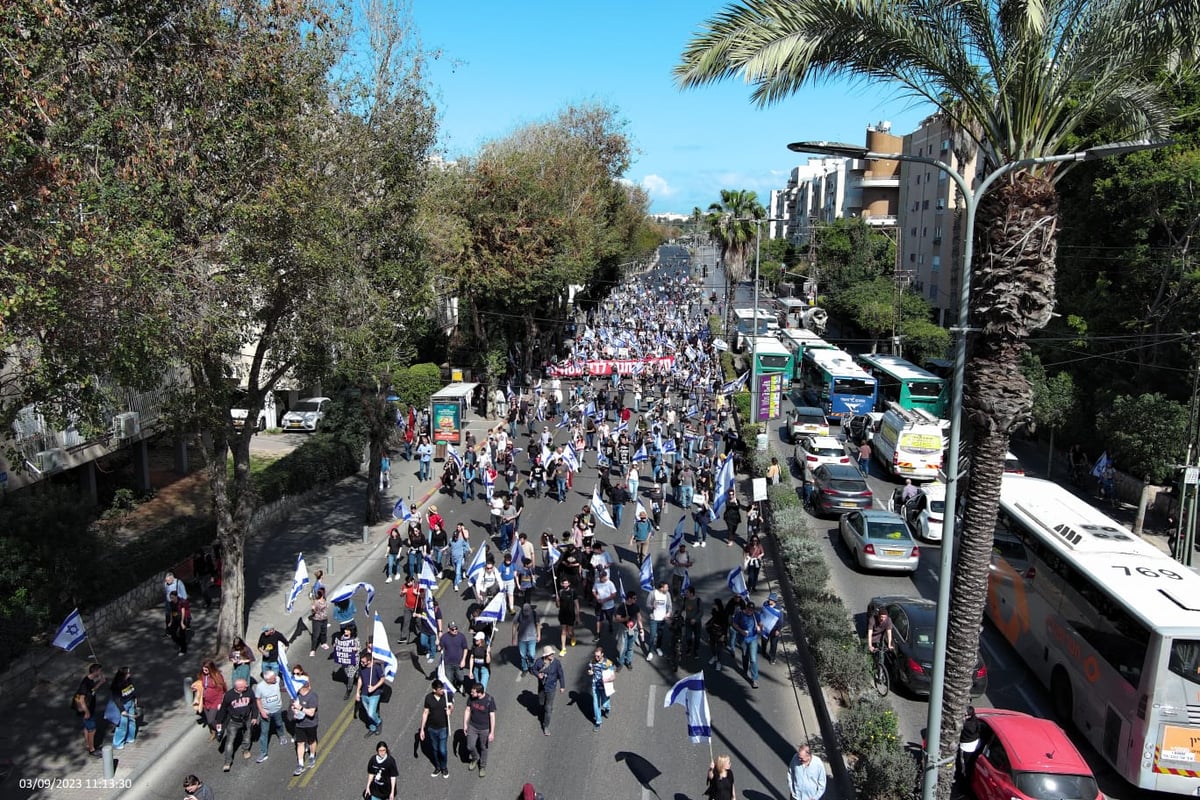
(886, 531)
(306, 406)
(1051, 786)
(849, 487)
(810, 420)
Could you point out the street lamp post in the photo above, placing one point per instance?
(971, 200)
(754, 394)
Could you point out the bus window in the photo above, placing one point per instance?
(925, 390)
(1185, 659)
(853, 386)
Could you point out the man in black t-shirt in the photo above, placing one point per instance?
(85, 705)
(238, 710)
(269, 642)
(479, 724)
(382, 773)
(435, 726)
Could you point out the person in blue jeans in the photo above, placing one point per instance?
(371, 677)
(745, 623)
(469, 473)
(269, 698)
(435, 726)
(602, 672)
(460, 549)
(124, 696)
(425, 457)
(526, 632)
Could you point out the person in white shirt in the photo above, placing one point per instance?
(660, 607)
(806, 775)
(605, 592)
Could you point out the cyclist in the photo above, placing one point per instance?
(879, 632)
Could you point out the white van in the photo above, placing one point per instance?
(909, 443)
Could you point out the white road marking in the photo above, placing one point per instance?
(650, 708)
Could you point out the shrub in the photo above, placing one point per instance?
(868, 723)
(810, 578)
(323, 458)
(841, 665)
(825, 616)
(885, 773)
(783, 497)
(741, 404)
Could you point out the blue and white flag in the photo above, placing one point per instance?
(768, 617)
(1102, 463)
(537, 387)
(430, 613)
(590, 409)
(570, 458)
(348, 590)
(518, 554)
(621, 427)
(640, 455)
(736, 384)
(547, 455)
(647, 574)
(428, 577)
(677, 536)
(495, 610)
(599, 509)
(553, 553)
(381, 650)
(477, 563)
(299, 581)
(724, 484)
(641, 509)
(737, 582)
(441, 674)
(687, 582)
(690, 694)
(667, 447)
(401, 510)
(455, 456)
(290, 681)
(621, 585)
(71, 633)
(509, 393)
(693, 411)
(564, 421)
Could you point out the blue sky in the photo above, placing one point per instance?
(506, 64)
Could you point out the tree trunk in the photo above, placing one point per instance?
(233, 506)
(1013, 294)
(1050, 458)
(1143, 503)
(379, 422)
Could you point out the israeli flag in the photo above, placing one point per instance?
(455, 456)
(537, 388)
(348, 590)
(641, 509)
(647, 574)
(541, 410)
(640, 455)
(430, 613)
(693, 411)
(554, 553)
(599, 509)
(687, 582)
(690, 694)
(71, 632)
(1102, 464)
(624, 426)
(724, 484)
(737, 582)
(401, 510)
(736, 384)
(508, 392)
(564, 421)
(667, 447)
(477, 563)
(428, 577)
(570, 458)
(677, 536)
(768, 617)
(495, 610)
(518, 555)
(590, 410)
(382, 651)
(441, 674)
(547, 455)
(299, 581)
(290, 681)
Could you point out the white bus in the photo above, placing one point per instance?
(1109, 623)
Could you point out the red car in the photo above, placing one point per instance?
(1020, 756)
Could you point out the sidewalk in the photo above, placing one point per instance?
(42, 741)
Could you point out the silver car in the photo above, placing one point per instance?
(879, 540)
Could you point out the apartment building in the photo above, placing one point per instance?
(931, 216)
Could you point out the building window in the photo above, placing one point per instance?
(924, 232)
(933, 292)
(935, 263)
(914, 231)
(925, 205)
(912, 257)
(918, 180)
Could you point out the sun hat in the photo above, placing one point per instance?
(480, 635)
(547, 650)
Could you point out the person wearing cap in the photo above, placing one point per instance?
(269, 642)
(770, 642)
(453, 646)
(745, 623)
(487, 583)
(479, 659)
(550, 677)
(642, 528)
(526, 632)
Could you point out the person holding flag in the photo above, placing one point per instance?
(770, 620)
(745, 623)
(369, 690)
(640, 538)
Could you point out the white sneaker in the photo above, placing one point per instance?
(659, 651)
(389, 580)
(649, 656)
(704, 543)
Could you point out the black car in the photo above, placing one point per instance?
(837, 488)
(913, 622)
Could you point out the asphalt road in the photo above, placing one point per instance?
(641, 751)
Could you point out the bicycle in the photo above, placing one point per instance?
(880, 675)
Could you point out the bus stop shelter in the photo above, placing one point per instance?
(449, 413)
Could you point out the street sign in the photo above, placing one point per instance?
(1191, 476)
(760, 490)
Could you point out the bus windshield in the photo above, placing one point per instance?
(1185, 659)
(856, 386)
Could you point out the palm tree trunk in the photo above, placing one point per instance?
(1013, 294)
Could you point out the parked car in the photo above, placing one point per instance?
(838, 487)
(238, 413)
(306, 415)
(806, 421)
(1012, 464)
(912, 635)
(1021, 757)
(923, 512)
(859, 428)
(811, 452)
(879, 540)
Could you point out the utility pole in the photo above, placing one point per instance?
(902, 279)
(1189, 476)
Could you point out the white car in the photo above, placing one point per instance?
(239, 412)
(813, 451)
(925, 512)
(306, 415)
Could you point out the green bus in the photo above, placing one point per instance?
(798, 341)
(771, 356)
(906, 384)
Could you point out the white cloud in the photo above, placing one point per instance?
(657, 186)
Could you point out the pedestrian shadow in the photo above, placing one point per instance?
(642, 770)
(528, 700)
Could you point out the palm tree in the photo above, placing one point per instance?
(1022, 79)
(731, 223)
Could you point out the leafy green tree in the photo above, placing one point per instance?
(984, 65)
(1054, 400)
(1145, 435)
(923, 339)
(850, 252)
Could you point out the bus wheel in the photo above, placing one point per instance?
(1060, 692)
